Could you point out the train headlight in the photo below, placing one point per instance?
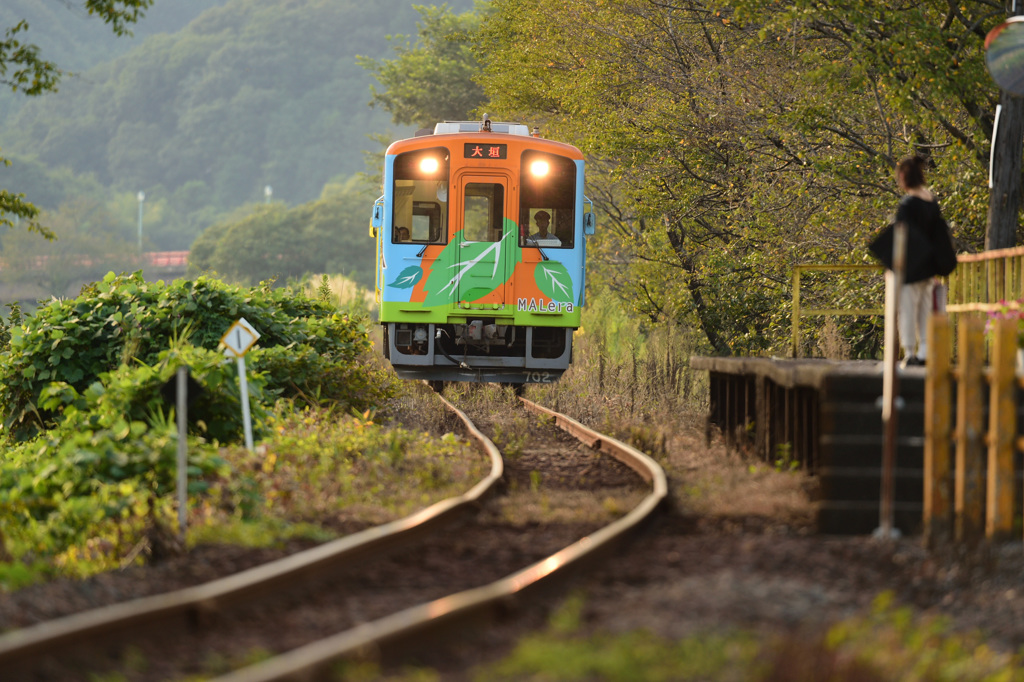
(540, 169)
(429, 165)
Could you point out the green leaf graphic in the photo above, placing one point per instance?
(554, 280)
(407, 278)
(474, 268)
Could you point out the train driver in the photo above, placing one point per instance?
(542, 237)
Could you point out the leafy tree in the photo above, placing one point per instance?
(24, 70)
(327, 235)
(892, 79)
(741, 138)
(433, 80)
(645, 88)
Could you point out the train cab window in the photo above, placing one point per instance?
(547, 200)
(483, 217)
(426, 221)
(539, 225)
(420, 197)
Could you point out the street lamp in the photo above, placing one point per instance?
(141, 197)
(268, 191)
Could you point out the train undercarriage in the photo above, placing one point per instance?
(480, 350)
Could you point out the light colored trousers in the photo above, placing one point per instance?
(916, 306)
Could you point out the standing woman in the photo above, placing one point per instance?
(930, 253)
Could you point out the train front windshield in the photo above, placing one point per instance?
(547, 201)
(420, 212)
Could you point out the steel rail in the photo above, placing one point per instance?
(312, 661)
(191, 606)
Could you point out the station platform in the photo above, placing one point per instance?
(826, 417)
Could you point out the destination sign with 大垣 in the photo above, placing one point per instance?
(476, 150)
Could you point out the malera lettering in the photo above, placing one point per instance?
(533, 305)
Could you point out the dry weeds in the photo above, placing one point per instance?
(711, 480)
(656, 403)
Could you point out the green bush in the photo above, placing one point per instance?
(125, 319)
(315, 379)
(86, 394)
(107, 470)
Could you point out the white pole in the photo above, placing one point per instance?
(890, 383)
(992, 147)
(244, 387)
(182, 450)
(141, 198)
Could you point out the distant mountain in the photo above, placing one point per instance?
(248, 94)
(68, 36)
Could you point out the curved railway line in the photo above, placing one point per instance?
(50, 649)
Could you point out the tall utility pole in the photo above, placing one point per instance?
(1007, 150)
(1004, 196)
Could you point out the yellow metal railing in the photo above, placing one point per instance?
(799, 312)
(983, 282)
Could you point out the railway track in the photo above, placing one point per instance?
(358, 565)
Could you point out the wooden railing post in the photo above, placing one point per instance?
(998, 289)
(938, 472)
(1002, 432)
(970, 447)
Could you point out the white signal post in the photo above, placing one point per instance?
(237, 341)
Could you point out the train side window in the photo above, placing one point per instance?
(419, 212)
(483, 215)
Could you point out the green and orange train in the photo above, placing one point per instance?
(481, 253)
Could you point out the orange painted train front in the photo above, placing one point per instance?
(481, 253)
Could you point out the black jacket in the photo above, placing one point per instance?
(930, 249)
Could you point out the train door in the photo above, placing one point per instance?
(487, 247)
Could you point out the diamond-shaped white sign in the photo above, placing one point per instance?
(240, 337)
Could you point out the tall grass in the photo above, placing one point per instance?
(342, 292)
(628, 377)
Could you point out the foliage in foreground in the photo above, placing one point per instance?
(89, 466)
(313, 465)
(306, 349)
(889, 643)
(89, 487)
